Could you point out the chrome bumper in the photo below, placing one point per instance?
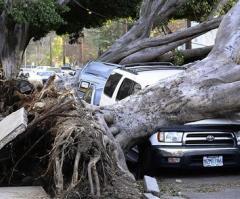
(180, 152)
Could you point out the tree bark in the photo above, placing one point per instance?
(152, 13)
(207, 89)
(188, 55)
(217, 8)
(14, 39)
(136, 46)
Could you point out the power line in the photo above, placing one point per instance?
(88, 10)
(91, 11)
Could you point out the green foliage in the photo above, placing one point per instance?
(196, 10)
(1, 6)
(178, 58)
(94, 13)
(42, 16)
(46, 15)
(111, 31)
(57, 50)
(228, 6)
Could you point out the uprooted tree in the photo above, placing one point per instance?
(87, 152)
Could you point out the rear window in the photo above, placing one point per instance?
(127, 88)
(111, 84)
(99, 69)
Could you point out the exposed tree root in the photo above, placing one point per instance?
(81, 159)
(92, 168)
(75, 168)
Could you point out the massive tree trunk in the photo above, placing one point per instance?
(208, 88)
(136, 46)
(14, 39)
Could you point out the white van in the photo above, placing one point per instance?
(126, 81)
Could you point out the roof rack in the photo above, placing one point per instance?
(106, 63)
(136, 69)
(149, 64)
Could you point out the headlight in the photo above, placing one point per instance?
(84, 84)
(170, 137)
(237, 134)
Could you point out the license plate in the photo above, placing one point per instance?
(213, 161)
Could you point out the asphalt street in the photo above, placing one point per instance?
(200, 184)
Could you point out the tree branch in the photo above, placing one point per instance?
(150, 12)
(227, 43)
(189, 55)
(217, 7)
(194, 31)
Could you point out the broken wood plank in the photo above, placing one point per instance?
(23, 193)
(12, 126)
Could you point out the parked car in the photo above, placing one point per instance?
(26, 71)
(41, 76)
(41, 68)
(67, 70)
(203, 144)
(93, 77)
(125, 81)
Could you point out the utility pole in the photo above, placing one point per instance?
(189, 43)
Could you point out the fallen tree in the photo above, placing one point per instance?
(86, 154)
(138, 46)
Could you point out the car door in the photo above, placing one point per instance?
(109, 92)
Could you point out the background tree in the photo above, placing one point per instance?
(21, 21)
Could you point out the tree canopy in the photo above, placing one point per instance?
(46, 15)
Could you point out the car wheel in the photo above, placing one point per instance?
(144, 162)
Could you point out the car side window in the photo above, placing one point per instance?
(127, 88)
(111, 84)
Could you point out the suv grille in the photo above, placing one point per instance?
(208, 138)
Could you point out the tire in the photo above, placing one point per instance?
(145, 161)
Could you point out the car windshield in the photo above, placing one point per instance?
(66, 68)
(45, 73)
(99, 69)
